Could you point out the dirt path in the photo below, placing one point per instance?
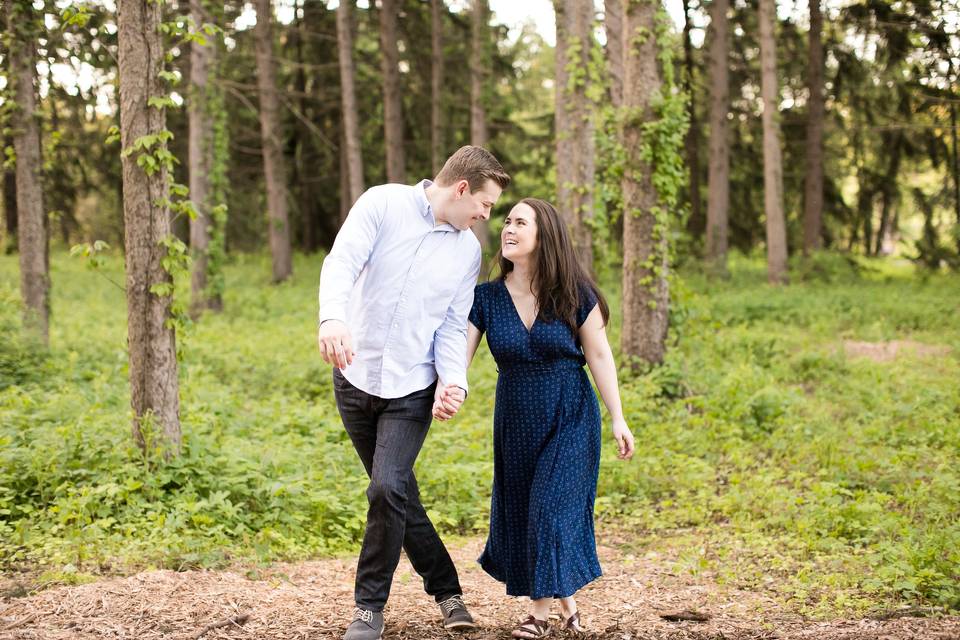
(311, 600)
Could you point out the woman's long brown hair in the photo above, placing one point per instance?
(558, 278)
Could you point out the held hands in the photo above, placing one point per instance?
(624, 438)
(336, 347)
(447, 401)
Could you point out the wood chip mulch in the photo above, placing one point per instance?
(639, 598)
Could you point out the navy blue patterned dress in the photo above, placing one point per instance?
(546, 451)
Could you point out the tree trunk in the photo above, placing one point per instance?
(437, 8)
(479, 71)
(574, 123)
(200, 162)
(9, 174)
(392, 102)
(645, 291)
(772, 163)
(865, 197)
(345, 200)
(348, 102)
(273, 167)
(889, 194)
(10, 203)
(956, 170)
(613, 52)
(153, 358)
(32, 224)
(718, 179)
(813, 200)
(928, 244)
(613, 27)
(479, 66)
(696, 223)
(302, 143)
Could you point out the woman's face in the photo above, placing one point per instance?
(518, 240)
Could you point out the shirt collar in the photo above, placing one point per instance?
(426, 210)
(421, 194)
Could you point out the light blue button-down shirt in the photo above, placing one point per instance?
(404, 287)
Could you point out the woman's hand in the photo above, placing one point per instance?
(447, 401)
(624, 438)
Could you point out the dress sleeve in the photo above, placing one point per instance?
(476, 312)
(588, 300)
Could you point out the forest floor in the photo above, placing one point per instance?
(312, 600)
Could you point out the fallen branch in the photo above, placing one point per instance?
(685, 615)
(20, 623)
(226, 622)
(909, 612)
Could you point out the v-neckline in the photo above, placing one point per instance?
(516, 311)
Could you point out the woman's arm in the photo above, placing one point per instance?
(473, 341)
(596, 349)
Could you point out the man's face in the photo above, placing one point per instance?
(470, 208)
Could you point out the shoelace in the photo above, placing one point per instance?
(451, 604)
(362, 614)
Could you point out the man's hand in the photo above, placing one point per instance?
(447, 401)
(336, 347)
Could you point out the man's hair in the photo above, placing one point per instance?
(476, 165)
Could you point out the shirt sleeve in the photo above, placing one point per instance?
(588, 300)
(476, 311)
(450, 339)
(350, 252)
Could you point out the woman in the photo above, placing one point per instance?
(544, 319)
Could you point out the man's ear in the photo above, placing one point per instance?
(463, 186)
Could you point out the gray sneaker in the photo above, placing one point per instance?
(366, 625)
(455, 614)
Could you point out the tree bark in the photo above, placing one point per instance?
(613, 27)
(645, 291)
(813, 189)
(32, 223)
(348, 102)
(437, 8)
(479, 66)
(273, 167)
(574, 123)
(696, 223)
(772, 163)
(392, 102)
(153, 360)
(200, 162)
(718, 179)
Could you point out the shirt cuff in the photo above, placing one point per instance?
(323, 317)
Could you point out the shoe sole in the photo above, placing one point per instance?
(460, 625)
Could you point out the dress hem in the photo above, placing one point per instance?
(487, 566)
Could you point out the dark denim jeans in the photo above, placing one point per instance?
(388, 435)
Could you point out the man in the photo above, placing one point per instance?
(395, 292)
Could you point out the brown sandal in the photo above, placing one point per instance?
(533, 628)
(572, 623)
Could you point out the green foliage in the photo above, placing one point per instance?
(760, 441)
(21, 357)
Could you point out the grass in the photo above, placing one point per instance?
(767, 459)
